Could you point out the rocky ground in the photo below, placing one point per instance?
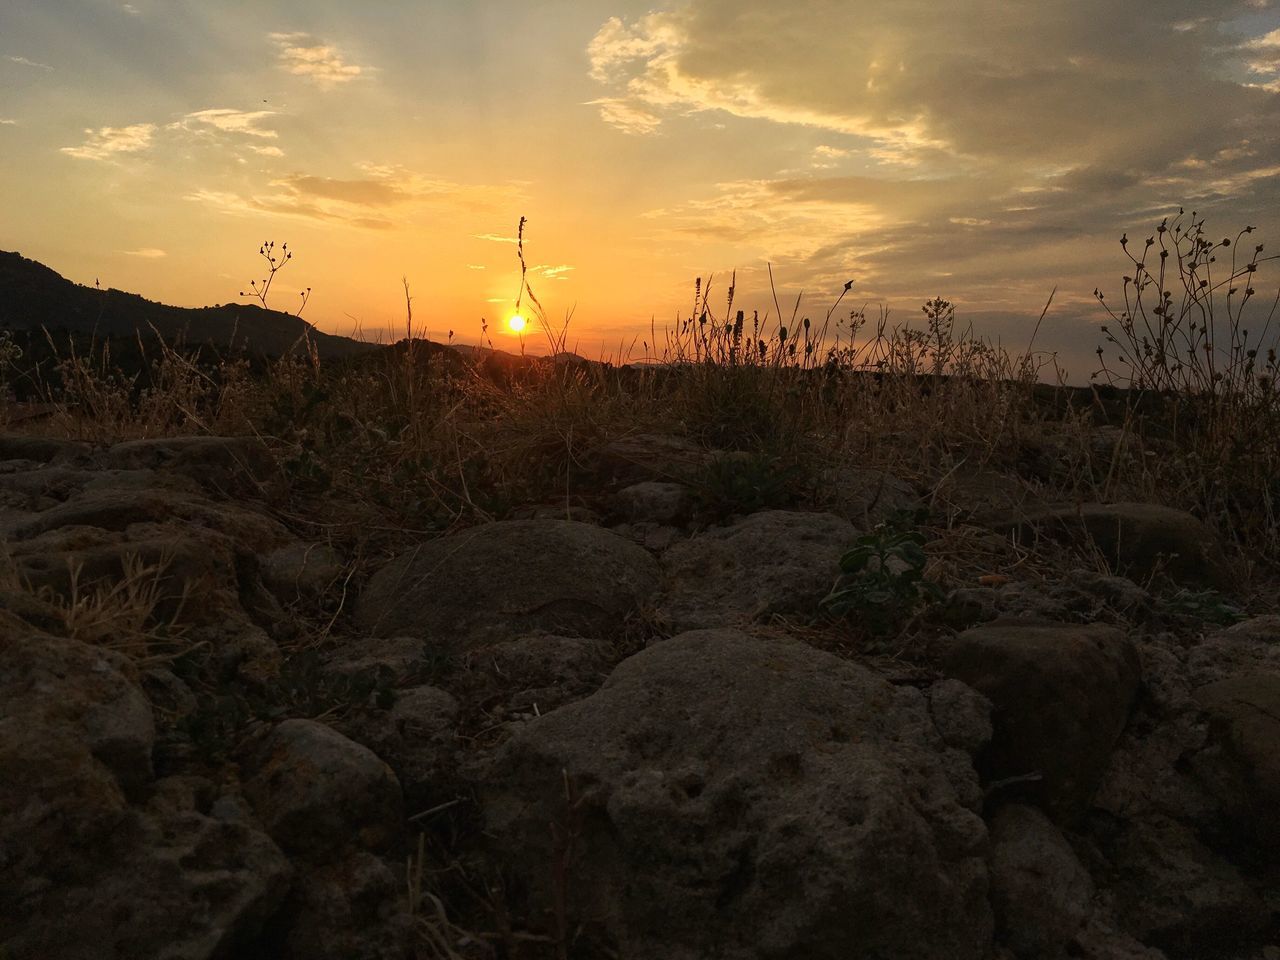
(610, 728)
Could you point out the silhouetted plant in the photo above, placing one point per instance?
(262, 288)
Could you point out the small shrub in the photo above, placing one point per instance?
(882, 580)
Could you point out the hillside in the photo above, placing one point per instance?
(32, 296)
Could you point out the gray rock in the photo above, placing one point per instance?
(655, 501)
(1242, 765)
(961, 714)
(776, 561)
(301, 571)
(1169, 890)
(89, 694)
(867, 496)
(646, 456)
(744, 797)
(222, 464)
(1040, 892)
(500, 580)
(417, 738)
(1250, 647)
(173, 884)
(354, 909)
(1062, 695)
(317, 791)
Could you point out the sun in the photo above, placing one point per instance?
(517, 323)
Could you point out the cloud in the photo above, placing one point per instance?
(107, 143)
(321, 63)
(24, 62)
(382, 198)
(548, 272)
(130, 9)
(494, 238)
(1038, 84)
(8, 123)
(146, 253)
(227, 120)
(266, 151)
(627, 117)
(991, 156)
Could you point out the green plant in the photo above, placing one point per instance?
(1207, 605)
(882, 580)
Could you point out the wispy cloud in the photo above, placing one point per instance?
(227, 120)
(549, 272)
(626, 116)
(494, 238)
(321, 63)
(130, 9)
(382, 198)
(24, 62)
(107, 143)
(8, 123)
(266, 151)
(146, 253)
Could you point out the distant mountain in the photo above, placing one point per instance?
(32, 296)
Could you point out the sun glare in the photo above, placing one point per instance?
(517, 324)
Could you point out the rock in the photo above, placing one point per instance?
(351, 910)
(1062, 694)
(220, 464)
(417, 738)
(88, 874)
(1250, 647)
(400, 657)
(1168, 890)
(655, 501)
(1040, 892)
(316, 791)
(1139, 540)
(174, 884)
(646, 456)
(500, 580)
(543, 671)
(743, 797)
(301, 571)
(867, 496)
(1244, 726)
(87, 694)
(961, 714)
(41, 449)
(776, 561)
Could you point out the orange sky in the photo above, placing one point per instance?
(982, 150)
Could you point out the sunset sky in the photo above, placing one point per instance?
(983, 150)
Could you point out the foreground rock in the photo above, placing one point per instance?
(776, 561)
(744, 797)
(87, 869)
(1062, 694)
(498, 581)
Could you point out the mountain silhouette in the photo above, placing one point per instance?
(34, 297)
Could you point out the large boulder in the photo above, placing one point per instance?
(776, 561)
(1138, 540)
(743, 797)
(1062, 694)
(500, 580)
